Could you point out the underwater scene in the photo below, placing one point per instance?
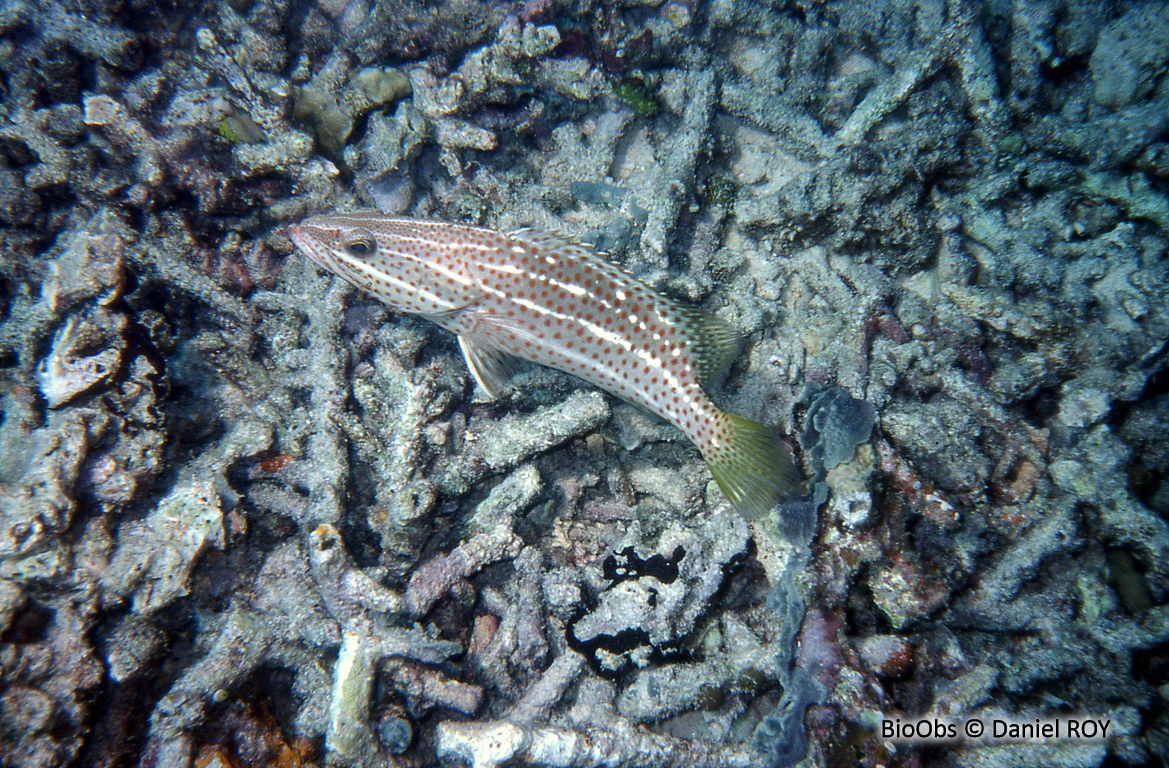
(637, 384)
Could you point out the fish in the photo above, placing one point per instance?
(537, 296)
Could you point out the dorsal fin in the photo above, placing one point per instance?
(714, 342)
(543, 238)
(551, 239)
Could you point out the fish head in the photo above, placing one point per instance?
(335, 243)
(410, 264)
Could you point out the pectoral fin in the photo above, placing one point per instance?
(490, 367)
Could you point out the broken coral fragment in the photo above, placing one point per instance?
(655, 601)
(157, 555)
(86, 354)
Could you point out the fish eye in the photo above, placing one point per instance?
(360, 244)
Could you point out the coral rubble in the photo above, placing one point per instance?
(251, 517)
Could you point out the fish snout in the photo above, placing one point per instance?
(309, 245)
(298, 236)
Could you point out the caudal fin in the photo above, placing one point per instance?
(753, 466)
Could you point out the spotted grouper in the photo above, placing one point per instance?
(536, 296)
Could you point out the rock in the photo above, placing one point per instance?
(382, 85)
(1083, 405)
(500, 445)
(905, 592)
(134, 645)
(11, 600)
(156, 556)
(1129, 59)
(888, 656)
(514, 494)
(656, 596)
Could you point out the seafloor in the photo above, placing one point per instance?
(250, 517)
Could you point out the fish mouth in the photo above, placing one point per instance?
(300, 237)
(308, 245)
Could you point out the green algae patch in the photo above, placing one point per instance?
(634, 95)
(721, 191)
(240, 129)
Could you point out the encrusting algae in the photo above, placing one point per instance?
(539, 297)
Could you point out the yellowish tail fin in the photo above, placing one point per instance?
(753, 466)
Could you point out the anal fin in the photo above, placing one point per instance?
(491, 368)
